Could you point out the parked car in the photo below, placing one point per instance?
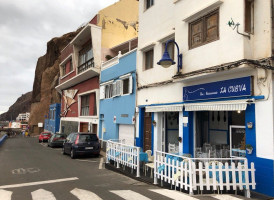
(57, 140)
(44, 136)
(81, 144)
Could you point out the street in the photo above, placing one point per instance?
(29, 170)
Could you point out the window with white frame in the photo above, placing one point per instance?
(120, 87)
(85, 105)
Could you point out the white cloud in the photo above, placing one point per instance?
(25, 28)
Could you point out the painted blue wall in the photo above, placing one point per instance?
(188, 135)
(52, 125)
(116, 106)
(264, 174)
(140, 139)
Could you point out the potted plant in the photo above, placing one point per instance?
(249, 148)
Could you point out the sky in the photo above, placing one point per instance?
(25, 28)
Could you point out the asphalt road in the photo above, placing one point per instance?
(29, 170)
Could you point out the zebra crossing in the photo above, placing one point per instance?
(81, 194)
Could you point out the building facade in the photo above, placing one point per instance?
(52, 119)
(23, 117)
(118, 98)
(223, 95)
(81, 64)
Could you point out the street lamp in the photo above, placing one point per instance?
(166, 61)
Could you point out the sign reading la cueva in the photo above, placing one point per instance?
(220, 89)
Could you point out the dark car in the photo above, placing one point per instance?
(81, 144)
(44, 136)
(57, 140)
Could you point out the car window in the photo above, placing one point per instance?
(69, 137)
(74, 137)
(87, 138)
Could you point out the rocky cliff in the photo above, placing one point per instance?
(22, 105)
(46, 79)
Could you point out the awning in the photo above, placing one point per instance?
(165, 108)
(232, 105)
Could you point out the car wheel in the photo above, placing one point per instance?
(72, 154)
(39, 141)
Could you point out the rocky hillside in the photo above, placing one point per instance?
(46, 79)
(22, 105)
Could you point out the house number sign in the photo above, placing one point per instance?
(221, 89)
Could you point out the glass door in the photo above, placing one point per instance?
(237, 141)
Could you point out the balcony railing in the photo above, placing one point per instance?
(86, 65)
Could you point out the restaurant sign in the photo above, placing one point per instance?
(221, 89)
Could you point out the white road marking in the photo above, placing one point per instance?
(84, 194)
(92, 161)
(173, 194)
(5, 195)
(24, 171)
(129, 195)
(42, 195)
(101, 163)
(225, 197)
(38, 183)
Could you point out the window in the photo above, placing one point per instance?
(204, 30)
(70, 65)
(149, 59)
(170, 49)
(85, 55)
(148, 4)
(64, 70)
(249, 16)
(85, 59)
(108, 91)
(117, 88)
(127, 85)
(85, 105)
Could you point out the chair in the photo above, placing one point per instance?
(150, 163)
(150, 156)
(171, 148)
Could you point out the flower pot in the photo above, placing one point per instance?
(249, 151)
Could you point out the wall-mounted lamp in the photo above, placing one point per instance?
(166, 61)
(239, 111)
(154, 123)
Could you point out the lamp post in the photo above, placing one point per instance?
(166, 61)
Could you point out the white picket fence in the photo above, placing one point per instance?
(122, 154)
(204, 173)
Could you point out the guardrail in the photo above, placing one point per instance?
(204, 173)
(122, 154)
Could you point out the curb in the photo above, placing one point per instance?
(2, 139)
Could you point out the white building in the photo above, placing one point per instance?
(226, 80)
(23, 117)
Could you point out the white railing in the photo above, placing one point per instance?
(204, 173)
(122, 154)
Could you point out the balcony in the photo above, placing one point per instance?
(83, 67)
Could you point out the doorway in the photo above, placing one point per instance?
(147, 131)
(83, 127)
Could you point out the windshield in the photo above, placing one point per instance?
(45, 133)
(88, 138)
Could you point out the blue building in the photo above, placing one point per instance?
(52, 121)
(117, 98)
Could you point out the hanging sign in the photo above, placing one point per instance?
(220, 89)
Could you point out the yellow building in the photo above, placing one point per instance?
(119, 23)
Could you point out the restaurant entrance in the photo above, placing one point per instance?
(219, 134)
